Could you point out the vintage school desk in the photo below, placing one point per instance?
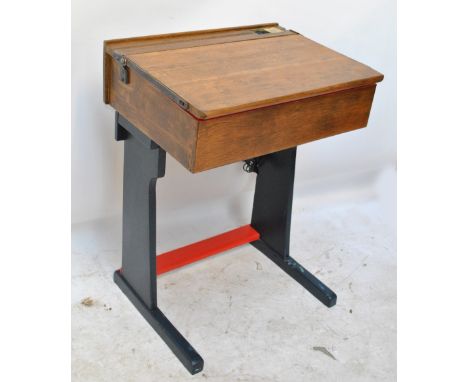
(211, 98)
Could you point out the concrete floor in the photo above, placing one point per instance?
(246, 317)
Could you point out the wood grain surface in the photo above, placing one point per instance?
(153, 40)
(258, 132)
(155, 115)
(231, 77)
(155, 43)
(250, 90)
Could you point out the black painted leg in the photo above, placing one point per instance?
(144, 162)
(271, 217)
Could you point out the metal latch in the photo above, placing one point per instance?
(122, 61)
(277, 29)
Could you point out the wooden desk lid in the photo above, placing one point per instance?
(225, 71)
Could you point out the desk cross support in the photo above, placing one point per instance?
(269, 232)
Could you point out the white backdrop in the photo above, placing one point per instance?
(363, 29)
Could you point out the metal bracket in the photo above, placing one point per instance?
(252, 165)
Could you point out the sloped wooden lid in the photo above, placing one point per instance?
(233, 70)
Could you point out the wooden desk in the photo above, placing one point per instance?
(210, 98)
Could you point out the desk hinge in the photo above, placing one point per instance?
(124, 64)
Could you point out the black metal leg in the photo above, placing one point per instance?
(271, 217)
(144, 162)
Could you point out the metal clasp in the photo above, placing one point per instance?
(122, 61)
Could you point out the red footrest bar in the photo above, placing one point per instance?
(197, 251)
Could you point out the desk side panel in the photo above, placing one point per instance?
(245, 135)
(154, 114)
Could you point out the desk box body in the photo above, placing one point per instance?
(214, 97)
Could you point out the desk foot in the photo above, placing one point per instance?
(317, 288)
(182, 349)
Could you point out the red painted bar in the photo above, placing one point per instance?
(197, 251)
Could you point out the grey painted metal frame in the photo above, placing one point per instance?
(144, 163)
